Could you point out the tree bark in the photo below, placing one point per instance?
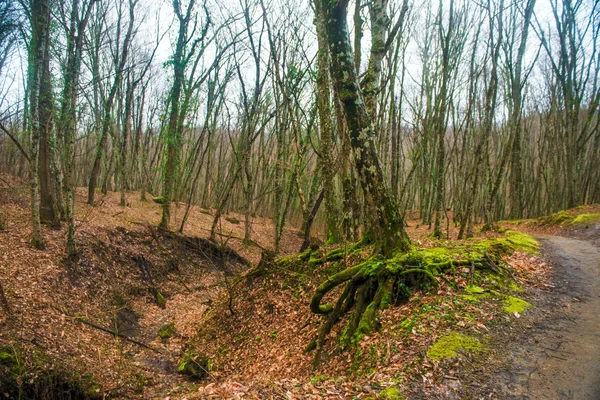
(387, 224)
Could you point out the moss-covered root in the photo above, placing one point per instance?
(385, 285)
(331, 320)
(368, 288)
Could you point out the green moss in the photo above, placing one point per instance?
(474, 293)
(472, 289)
(470, 297)
(586, 219)
(7, 357)
(167, 331)
(514, 287)
(391, 393)
(158, 199)
(558, 218)
(161, 301)
(305, 255)
(310, 347)
(447, 346)
(512, 241)
(433, 258)
(194, 365)
(514, 304)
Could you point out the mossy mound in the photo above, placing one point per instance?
(516, 241)
(558, 218)
(371, 283)
(514, 304)
(568, 217)
(447, 346)
(586, 219)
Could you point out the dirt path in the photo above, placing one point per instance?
(559, 355)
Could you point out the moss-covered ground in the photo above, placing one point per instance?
(447, 346)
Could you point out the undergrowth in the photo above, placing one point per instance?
(34, 375)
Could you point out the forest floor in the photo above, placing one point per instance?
(256, 330)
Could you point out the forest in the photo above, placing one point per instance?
(370, 146)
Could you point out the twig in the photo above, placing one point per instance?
(15, 141)
(6, 182)
(117, 334)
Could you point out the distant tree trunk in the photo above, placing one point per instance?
(48, 196)
(491, 98)
(107, 121)
(38, 47)
(516, 83)
(126, 131)
(173, 134)
(446, 38)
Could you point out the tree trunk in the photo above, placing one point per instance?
(387, 224)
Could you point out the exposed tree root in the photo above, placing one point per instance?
(372, 284)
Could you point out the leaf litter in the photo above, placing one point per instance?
(258, 351)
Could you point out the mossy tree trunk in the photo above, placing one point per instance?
(38, 46)
(387, 225)
(367, 286)
(326, 136)
(173, 133)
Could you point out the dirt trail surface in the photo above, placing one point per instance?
(559, 356)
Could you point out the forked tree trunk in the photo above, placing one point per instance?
(387, 224)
